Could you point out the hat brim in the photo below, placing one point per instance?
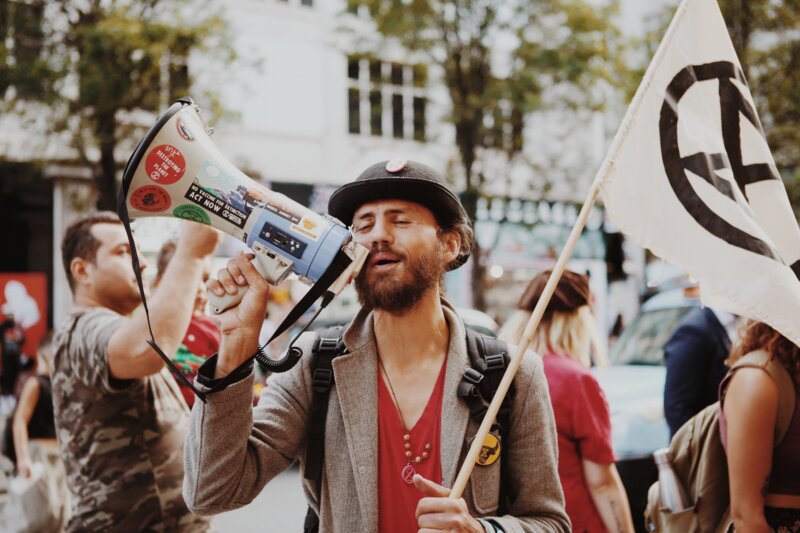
(444, 205)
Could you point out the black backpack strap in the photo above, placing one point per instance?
(311, 523)
(489, 359)
(496, 357)
(329, 346)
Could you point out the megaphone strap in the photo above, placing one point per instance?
(340, 262)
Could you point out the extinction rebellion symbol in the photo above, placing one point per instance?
(733, 104)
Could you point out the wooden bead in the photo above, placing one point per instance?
(424, 455)
(406, 437)
(428, 446)
(417, 459)
(408, 453)
(408, 445)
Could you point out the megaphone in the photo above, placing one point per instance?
(176, 171)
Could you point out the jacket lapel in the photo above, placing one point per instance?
(455, 413)
(359, 404)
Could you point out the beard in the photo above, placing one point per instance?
(398, 291)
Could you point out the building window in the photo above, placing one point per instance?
(419, 119)
(397, 74)
(386, 98)
(375, 112)
(397, 116)
(354, 111)
(375, 72)
(420, 75)
(502, 127)
(352, 68)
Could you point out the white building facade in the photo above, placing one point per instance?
(308, 108)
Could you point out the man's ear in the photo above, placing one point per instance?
(452, 245)
(79, 268)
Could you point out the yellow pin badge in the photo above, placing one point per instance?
(490, 450)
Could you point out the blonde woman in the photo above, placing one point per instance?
(595, 498)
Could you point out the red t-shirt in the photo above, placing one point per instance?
(200, 342)
(583, 424)
(397, 500)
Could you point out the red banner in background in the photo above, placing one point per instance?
(24, 296)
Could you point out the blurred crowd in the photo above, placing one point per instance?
(99, 432)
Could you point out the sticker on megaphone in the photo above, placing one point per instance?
(176, 171)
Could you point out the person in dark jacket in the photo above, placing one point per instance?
(695, 357)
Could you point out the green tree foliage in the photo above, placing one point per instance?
(766, 35)
(499, 60)
(91, 61)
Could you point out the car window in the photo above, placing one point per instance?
(642, 343)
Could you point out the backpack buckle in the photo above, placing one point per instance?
(495, 361)
(328, 343)
(472, 376)
(323, 379)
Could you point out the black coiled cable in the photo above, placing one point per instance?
(293, 353)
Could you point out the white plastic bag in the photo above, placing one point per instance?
(27, 506)
(37, 504)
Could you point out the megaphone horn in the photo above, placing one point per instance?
(176, 171)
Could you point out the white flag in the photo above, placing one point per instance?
(690, 176)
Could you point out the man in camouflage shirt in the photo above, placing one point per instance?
(120, 418)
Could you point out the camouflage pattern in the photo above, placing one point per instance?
(121, 441)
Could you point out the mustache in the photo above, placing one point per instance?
(385, 248)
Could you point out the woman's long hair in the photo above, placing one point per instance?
(755, 335)
(569, 334)
(567, 327)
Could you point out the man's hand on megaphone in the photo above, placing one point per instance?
(241, 324)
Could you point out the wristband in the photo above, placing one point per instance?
(205, 374)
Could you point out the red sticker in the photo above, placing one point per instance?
(165, 164)
(150, 198)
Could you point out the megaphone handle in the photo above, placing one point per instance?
(266, 264)
(219, 304)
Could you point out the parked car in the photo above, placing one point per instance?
(634, 386)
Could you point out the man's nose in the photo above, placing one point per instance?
(381, 233)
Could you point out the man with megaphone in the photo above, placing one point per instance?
(394, 424)
(120, 418)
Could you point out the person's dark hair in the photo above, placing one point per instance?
(572, 292)
(165, 255)
(755, 335)
(78, 240)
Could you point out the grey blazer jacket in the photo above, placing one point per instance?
(232, 449)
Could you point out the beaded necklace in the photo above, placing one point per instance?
(408, 470)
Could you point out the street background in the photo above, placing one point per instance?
(302, 95)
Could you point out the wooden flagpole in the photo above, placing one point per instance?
(477, 443)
